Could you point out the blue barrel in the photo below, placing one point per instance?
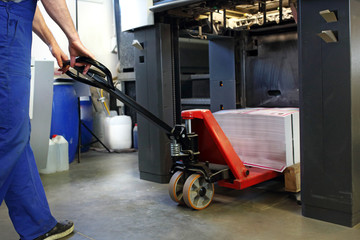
(86, 117)
(65, 114)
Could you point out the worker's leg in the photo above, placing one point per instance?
(15, 54)
(26, 200)
(19, 180)
(8, 156)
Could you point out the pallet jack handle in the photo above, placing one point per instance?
(102, 78)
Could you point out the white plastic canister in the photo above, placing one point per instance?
(58, 156)
(63, 148)
(118, 132)
(52, 159)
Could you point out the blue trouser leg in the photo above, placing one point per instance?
(20, 184)
(26, 200)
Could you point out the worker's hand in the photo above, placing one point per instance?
(60, 56)
(76, 48)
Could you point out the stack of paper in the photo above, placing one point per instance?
(267, 138)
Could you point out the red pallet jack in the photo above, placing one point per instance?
(200, 151)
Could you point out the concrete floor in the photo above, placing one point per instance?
(105, 198)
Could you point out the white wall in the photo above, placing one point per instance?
(39, 50)
(96, 27)
(97, 30)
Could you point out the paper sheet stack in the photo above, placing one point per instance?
(267, 138)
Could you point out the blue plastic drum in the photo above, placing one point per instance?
(65, 114)
(87, 119)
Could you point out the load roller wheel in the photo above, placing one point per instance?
(198, 193)
(176, 186)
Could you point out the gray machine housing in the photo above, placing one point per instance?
(154, 91)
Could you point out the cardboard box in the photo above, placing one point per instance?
(267, 138)
(293, 178)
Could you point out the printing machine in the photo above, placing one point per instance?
(224, 54)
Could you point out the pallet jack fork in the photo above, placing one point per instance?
(201, 153)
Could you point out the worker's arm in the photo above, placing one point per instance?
(40, 28)
(58, 11)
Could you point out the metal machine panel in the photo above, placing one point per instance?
(272, 71)
(154, 91)
(194, 56)
(224, 98)
(329, 112)
(222, 74)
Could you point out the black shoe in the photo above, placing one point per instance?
(60, 230)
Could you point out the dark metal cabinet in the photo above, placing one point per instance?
(154, 91)
(330, 112)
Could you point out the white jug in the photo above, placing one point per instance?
(63, 148)
(118, 132)
(52, 159)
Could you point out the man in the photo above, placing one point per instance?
(20, 184)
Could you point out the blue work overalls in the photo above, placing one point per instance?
(20, 184)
